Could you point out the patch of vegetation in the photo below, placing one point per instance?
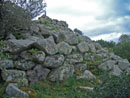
(19, 35)
(3, 54)
(113, 87)
(93, 67)
(123, 50)
(13, 19)
(89, 51)
(106, 44)
(59, 52)
(32, 51)
(52, 27)
(79, 40)
(66, 89)
(85, 60)
(31, 92)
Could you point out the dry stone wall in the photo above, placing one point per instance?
(54, 52)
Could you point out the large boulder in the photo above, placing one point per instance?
(80, 67)
(107, 66)
(54, 61)
(33, 55)
(74, 58)
(17, 46)
(97, 46)
(6, 64)
(38, 57)
(116, 71)
(114, 57)
(37, 74)
(124, 64)
(64, 48)
(61, 73)
(16, 76)
(82, 38)
(14, 92)
(47, 45)
(26, 56)
(83, 47)
(44, 31)
(112, 67)
(23, 64)
(92, 47)
(68, 37)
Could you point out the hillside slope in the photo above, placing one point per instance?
(49, 50)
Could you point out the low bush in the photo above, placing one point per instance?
(113, 87)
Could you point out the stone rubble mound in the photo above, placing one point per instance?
(54, 52)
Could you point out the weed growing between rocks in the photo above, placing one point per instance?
(3, 54)
(19, 35)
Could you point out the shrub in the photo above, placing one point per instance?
(123, 50)
(13, 19)
(113, 87)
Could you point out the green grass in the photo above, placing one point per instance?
(19, 35)
(33, 50)
(66, 89)
(51, 26)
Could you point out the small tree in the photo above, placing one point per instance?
(13, 19)
(124, 38)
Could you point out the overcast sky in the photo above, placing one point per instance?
(98, 19)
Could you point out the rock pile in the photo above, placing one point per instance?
(53, 51)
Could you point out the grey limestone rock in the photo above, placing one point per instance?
(123, 64)
(54, 61)
(80, 67)
(37, 74)
(13, 91)
(67, 36)
(83, 47)
(38, 56)
(107, 66)
(17, 46)
(61, 73)
(6, 64)
(92, 47)
(74, 58)
(23, 64)
(16, 76)
(86, 75)
(116, 71)
(64, 48)
(47, 45)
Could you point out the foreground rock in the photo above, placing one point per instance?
(37, 74)
(54, 61)
(64, 48)
(61, 73)
(86, 75)
(16, 76)
(6, 64)
(17, 46)
(47, 45)
(14, 92)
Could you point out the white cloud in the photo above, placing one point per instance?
(108, 37)
(93, 16)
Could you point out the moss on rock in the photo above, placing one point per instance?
(31, 92)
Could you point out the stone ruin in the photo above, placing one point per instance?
(52, 51)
